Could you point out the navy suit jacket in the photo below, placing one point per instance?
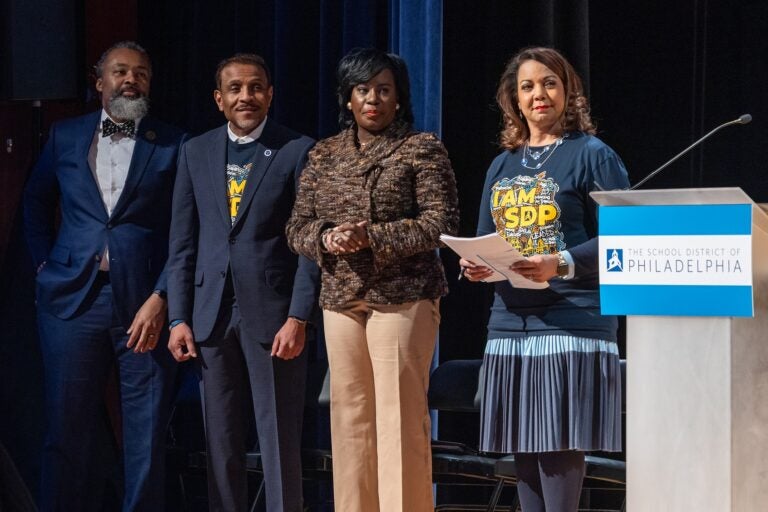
(270, 282)
(136, 232)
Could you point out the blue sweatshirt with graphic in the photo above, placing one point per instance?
(543, 207)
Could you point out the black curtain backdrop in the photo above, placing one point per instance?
(658, 74)
(669, 73)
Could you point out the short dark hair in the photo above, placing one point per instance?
(246, 59)
(362, 64)
(130, 45)
(576, 114)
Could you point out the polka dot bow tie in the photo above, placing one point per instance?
(108, 127)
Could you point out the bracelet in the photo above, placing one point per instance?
(300, 321)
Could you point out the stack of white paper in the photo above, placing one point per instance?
(494, 252)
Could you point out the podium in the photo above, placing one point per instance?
(689, 268)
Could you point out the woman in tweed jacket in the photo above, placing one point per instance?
(372, 203)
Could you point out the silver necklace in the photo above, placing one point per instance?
(538, 154)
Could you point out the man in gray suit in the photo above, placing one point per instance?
(238, 298)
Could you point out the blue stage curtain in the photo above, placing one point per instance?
(416, 34)
(306, 56)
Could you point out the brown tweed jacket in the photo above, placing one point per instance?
(403, 185)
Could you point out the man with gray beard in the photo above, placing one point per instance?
(101, 284)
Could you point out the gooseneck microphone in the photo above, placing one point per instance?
(746, 118)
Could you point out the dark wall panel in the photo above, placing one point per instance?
(664, 75)
(734, 83)
(643, 83)
(39, 49)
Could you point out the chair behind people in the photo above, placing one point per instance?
(185, 440)
(316, 458)
(453, 387)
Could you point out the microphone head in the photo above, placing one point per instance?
(746, 118)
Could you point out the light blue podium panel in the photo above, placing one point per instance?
(689, 268)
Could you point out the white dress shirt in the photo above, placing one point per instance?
(245, 139)
(109, 159)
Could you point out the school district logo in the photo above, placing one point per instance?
(615, 260)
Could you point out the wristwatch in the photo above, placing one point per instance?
(563, 269)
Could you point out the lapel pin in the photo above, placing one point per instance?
(268, 152)
(150, 135)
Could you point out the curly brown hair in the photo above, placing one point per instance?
(576, 114)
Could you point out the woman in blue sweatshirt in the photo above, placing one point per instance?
(551, 383)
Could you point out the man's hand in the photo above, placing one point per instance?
(182, 343)
(147, 324)
(289, 340)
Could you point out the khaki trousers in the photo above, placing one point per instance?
(379, 358)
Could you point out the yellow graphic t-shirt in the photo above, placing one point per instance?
(237, 177)
(526, 214)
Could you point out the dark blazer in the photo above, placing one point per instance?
(271, 283)
(137, 228)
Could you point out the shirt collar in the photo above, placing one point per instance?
(254, 135)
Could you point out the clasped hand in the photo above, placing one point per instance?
(347, 238)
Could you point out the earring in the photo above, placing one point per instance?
(521, 116)
(349, 105)
(397, 107)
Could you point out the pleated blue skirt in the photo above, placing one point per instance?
(550, 393)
